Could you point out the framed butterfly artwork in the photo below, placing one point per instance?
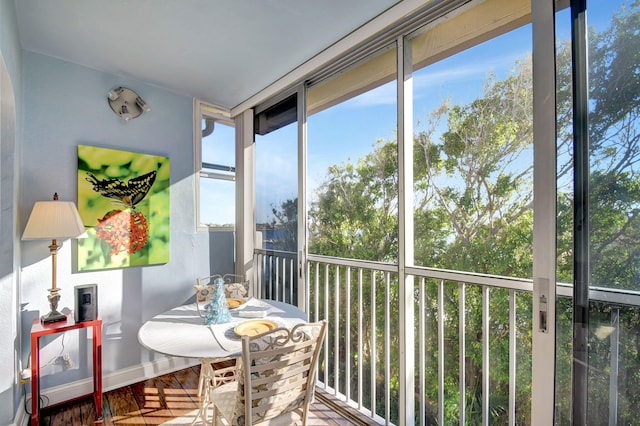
(123, 200)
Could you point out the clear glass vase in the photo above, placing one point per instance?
(218, 310)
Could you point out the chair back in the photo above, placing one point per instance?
(234, 286)
(277, 374)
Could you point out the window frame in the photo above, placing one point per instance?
(220, 115)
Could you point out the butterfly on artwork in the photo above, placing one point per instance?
(127, 193)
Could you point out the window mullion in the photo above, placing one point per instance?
(405, 231)
(544, 213)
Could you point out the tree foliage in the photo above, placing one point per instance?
(476, 175)
(357, 208)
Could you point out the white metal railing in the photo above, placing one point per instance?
(359, 364)
(331, 281)
(358, 368)
(276, 275)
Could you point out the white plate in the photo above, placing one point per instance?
(233, 303)
(254, 327)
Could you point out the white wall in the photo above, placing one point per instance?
(65, 105)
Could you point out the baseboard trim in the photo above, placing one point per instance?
(116, 379)
(21, 418)
(350, 413)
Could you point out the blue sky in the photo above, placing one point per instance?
(218, 196)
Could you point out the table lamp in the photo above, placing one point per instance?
(53, 220)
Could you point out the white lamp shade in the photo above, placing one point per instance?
(53, 220)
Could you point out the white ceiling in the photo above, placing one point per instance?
(219, 51)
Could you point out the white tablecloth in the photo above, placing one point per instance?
(251, 310)
(181, 332)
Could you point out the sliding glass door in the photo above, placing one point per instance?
(598, 238)
(276, 140)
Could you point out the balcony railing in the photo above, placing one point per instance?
(276, 275)
(360, 362)
(473, 341)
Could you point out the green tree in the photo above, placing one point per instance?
(477, 174)
(356, 212)
(615, 151)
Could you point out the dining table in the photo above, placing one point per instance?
(182, 332)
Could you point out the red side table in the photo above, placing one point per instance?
(37, 331)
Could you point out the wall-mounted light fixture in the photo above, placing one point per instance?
(126, 103)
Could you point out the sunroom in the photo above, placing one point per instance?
(453, 189)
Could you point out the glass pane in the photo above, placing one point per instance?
(217, 196)
(218, 149)
(614, 203)
(614, 207)
(217, 202)
(277, 188)
(352, 170)
(277, 201)
(614, 131)
(473, 192)
(473, 158)
(352, 184)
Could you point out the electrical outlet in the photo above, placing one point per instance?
(25, 376)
